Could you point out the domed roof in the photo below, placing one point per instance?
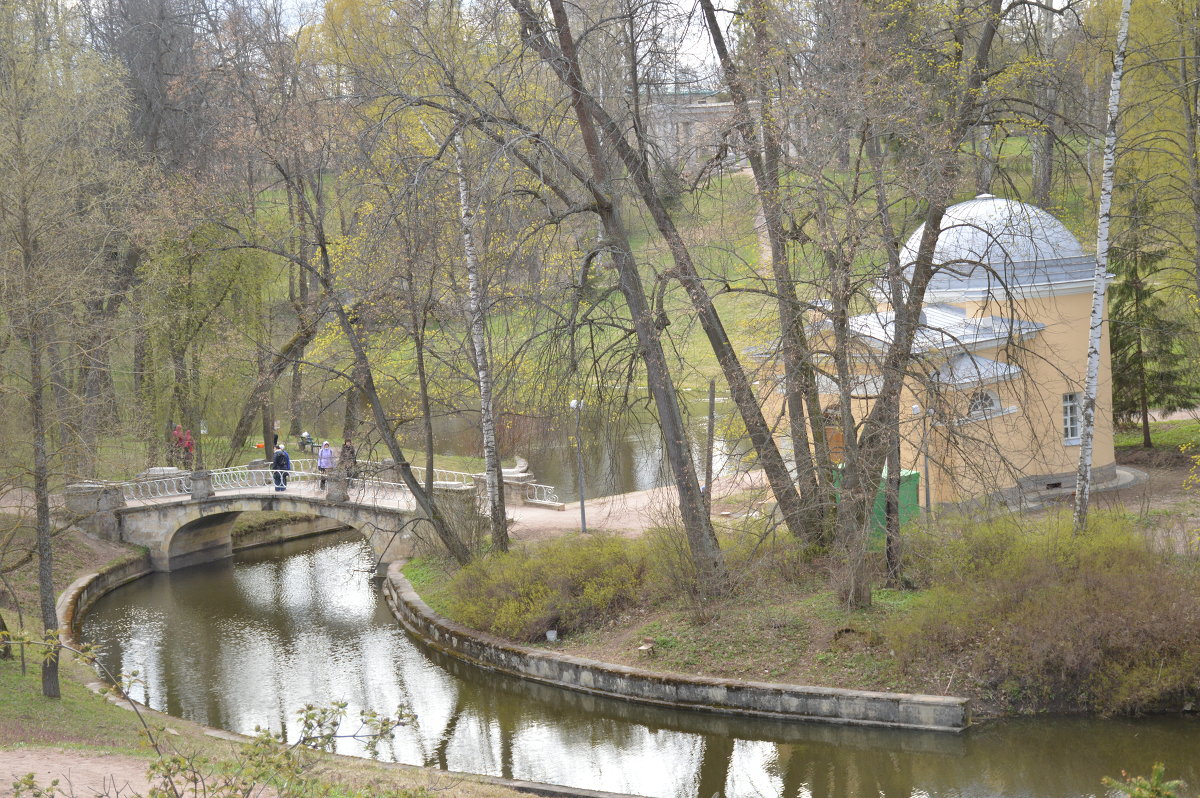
(994, 245)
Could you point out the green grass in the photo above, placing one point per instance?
(430, 578)
(1165, 435)
(80, 719)
(73, 553)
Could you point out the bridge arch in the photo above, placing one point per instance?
(195, 531)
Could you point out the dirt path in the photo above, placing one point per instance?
(79, 773)
(628, 514)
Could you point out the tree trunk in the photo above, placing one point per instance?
(295, 398)
(5, 636)
(742, 392)
(479, 357)
(1042, 140)
(1143, 396)
(711, 575)
(1083, 477)
(765, 153)
(426, 410)
(298, 293)
(987, 161)
(269, 372)
(41, 493)
(355, 404)
(362, 367)
(892, 514)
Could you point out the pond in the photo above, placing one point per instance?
(621, 454)
(246, 642)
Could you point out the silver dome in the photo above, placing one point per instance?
(995, 246)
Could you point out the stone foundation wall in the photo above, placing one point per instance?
(761, 699)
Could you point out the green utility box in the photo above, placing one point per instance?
(910, 503)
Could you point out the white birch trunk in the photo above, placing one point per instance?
(487, 413)
(1083, 479)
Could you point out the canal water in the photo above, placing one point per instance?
(622, 453)
(246, 642)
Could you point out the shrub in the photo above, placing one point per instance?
(567, 584)
(1043, 619)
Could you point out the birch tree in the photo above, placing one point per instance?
(479, 350)
(1083, 476)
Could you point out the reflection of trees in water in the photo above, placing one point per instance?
(622, 450)
(506, 713)
(1039, 758)
(825, 771)
(714, 767)
(207, 639)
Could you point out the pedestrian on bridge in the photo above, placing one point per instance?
(324, 461)
(281, 464)
(348, 460)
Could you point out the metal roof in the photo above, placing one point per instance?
(966, 370)
(943, 327)
(991, 246)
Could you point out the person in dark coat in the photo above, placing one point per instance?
(348, 460)
(281, 464)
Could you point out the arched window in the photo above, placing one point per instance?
(983, 404)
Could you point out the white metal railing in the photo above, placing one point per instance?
(375, 491)
(442, 475)
(177, 485)
(541, 493)
(360, 489)
(240, 477)
(244, 477)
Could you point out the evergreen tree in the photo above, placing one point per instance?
(1147, 366)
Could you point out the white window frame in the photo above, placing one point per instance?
(976, 408)
(995, 411)
(1072, 418)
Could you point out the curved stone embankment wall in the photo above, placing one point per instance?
(84, 591)
(270, 534)
(762, 699)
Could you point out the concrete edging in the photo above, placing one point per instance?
(727, 696)
(84, 591)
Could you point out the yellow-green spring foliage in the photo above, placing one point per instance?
(1041, 619)
(566, 584)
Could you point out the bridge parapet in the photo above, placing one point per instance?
(93, 505)
(163, 487)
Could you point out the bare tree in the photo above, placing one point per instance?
(60, 126)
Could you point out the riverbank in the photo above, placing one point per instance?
(1019, 615)
(737, 638)
(648, 684)
(92, 744)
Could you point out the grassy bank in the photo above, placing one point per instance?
(1016, 613)
(1166, 435)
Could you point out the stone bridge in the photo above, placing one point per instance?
(186, 518)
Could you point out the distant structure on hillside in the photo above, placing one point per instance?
(993, 409)
(692, 129)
